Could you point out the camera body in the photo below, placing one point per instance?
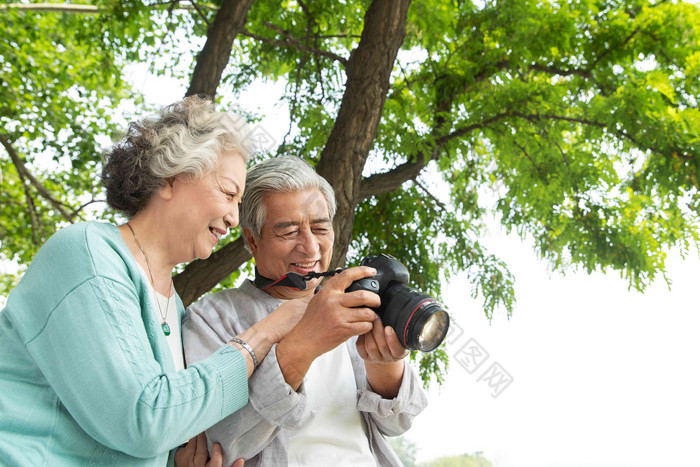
(389, 270)
(418, 319)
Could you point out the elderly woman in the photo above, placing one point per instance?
(91, 366)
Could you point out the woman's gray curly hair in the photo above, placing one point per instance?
(282, 174)
(187, 139)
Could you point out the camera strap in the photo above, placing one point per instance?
(291, 279)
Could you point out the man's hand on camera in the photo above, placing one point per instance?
(383, 355)
(331, 318)
(381, 345)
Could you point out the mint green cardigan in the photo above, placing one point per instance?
(86, 376)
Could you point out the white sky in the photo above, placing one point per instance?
(601, 376)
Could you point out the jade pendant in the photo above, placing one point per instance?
(166, 328)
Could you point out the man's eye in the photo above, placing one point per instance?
(230, 196)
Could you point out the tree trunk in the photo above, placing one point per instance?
(368, 70)
(201, 276)
(212, 60)
(343, 158)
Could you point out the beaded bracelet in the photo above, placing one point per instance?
(245, 345)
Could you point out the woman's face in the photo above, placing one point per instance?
(205, 208)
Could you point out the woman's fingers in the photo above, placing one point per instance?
(201, 454)
(217, 456)
(196, 454)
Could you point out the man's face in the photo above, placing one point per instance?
(297, 236)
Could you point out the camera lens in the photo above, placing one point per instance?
(434, 330)
(418, 319)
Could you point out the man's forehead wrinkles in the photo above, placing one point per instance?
(283, 224)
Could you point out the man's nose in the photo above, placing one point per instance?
(307, 242)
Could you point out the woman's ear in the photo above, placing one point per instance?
(167, 190)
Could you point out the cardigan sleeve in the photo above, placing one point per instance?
(96, 355)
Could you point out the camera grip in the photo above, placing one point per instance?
(368, 283)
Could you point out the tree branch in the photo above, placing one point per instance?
(293, 42)
(32, 210)
(330, 36)
(215, 55)
(385, 182)
(440, 204)
(200, 13)
(306, 10)
(52, 7)
(84, 8)
(532, 161)
(292, 108)
(310, 24)
(391, 180)
(563, 154)
(25, 174)
(469, 128)
(582, 121)
(77, 210)
(561, 72)
(610, 49)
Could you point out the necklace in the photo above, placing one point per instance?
(164, 324)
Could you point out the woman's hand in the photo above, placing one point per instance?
(270, 330)
(284, 318)
(196, 454)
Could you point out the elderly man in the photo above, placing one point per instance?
(312, 400)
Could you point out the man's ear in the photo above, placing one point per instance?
(252, 242)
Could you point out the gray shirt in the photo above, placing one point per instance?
(260, 431)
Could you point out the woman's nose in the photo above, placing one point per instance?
(231, 218)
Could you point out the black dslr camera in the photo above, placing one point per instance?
(418, 319)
